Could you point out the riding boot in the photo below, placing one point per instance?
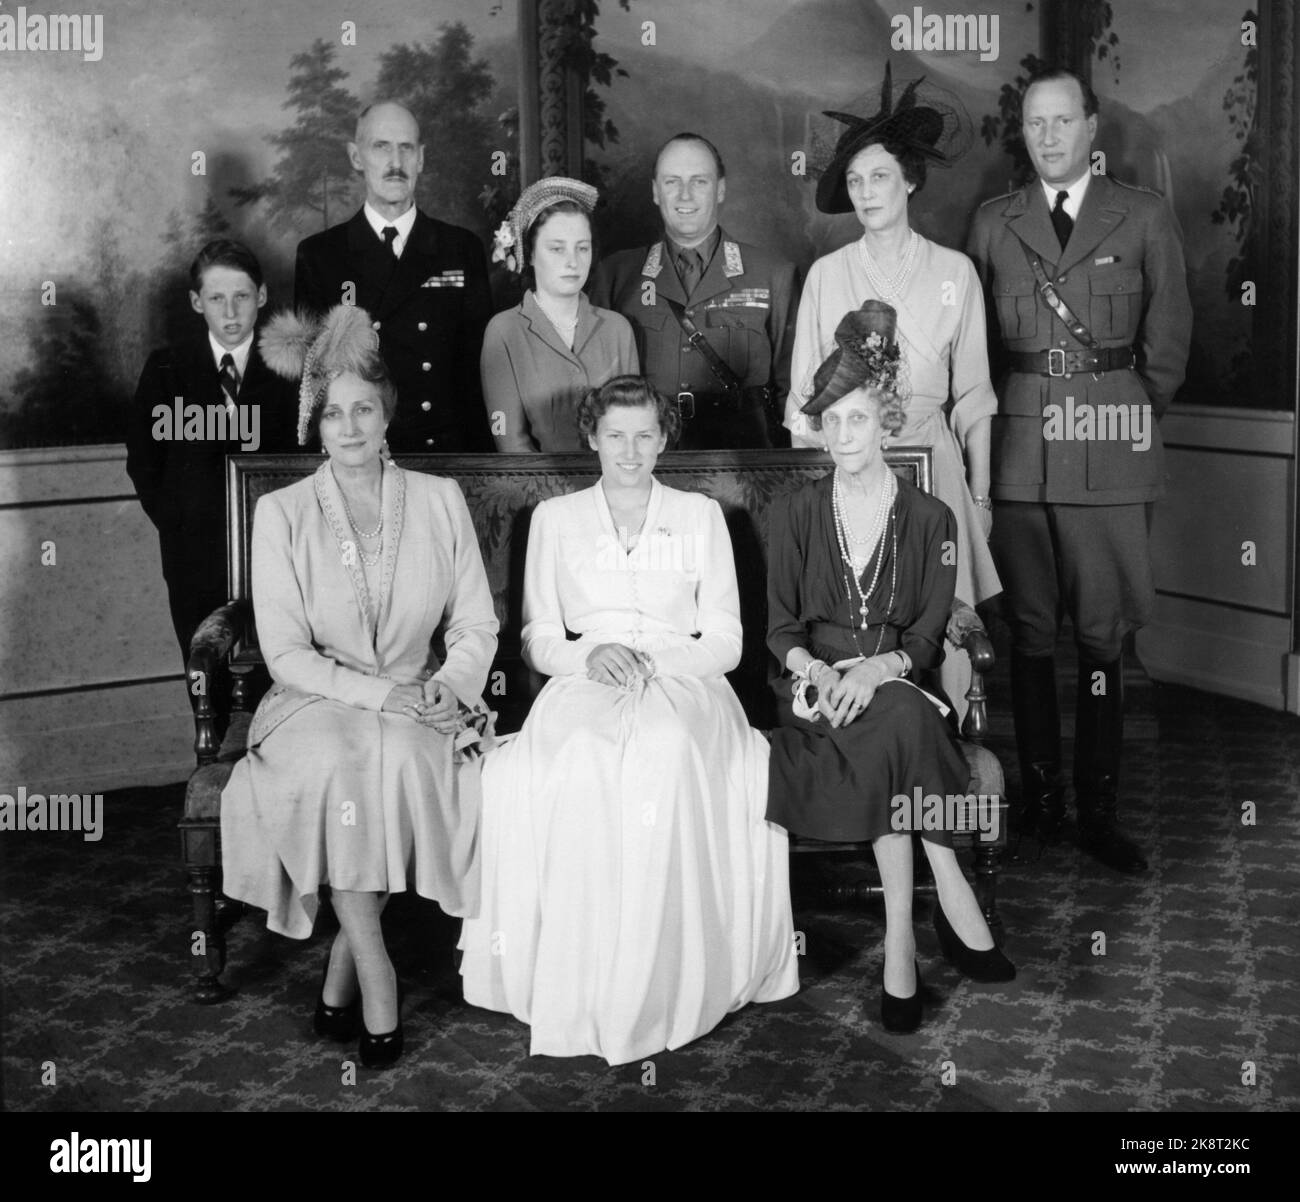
(1098, 734)
(1038, 739)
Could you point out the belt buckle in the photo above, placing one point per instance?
(685, 399)
(1057, 355)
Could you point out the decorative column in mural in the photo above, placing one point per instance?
(550, 93)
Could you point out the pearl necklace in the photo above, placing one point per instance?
(894, 285)
(872, 537)
(565, 328)
(347, 509)
(842, 535)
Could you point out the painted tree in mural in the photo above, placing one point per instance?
(67, 396)
(447, 90)
(174, 318)
(311, 185)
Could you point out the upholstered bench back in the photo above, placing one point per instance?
(503, 490)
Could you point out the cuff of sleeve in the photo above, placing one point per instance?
(972, 410)
(372, 692)
(466, 685)
(559, 657)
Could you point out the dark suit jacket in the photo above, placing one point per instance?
(1122, 273)
(182, 484)
(431, 306)
(744, 303)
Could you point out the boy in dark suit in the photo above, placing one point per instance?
(196, 403)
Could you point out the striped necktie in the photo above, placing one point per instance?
(229, 379)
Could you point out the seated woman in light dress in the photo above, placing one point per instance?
(879, 163)
(542, 356)
(859, 588)
(633, 892)
(353, 777)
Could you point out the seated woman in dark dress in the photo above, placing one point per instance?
(860, 581)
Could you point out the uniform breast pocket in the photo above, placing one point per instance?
(1116, 303)
(1017, 305)
(729, 333)
(656, 345)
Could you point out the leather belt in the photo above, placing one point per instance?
(1064, 363)
(694, 404)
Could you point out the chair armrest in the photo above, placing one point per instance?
(209, 649)
(966, 632)
(215, 637)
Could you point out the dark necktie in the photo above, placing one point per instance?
(229, 378)
(689, 268)
(390, 239)
(1062, 222)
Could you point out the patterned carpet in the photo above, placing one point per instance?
(1199, 976)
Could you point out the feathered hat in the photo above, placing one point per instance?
(866, 354)
(299, 346)
(508, 241)
(926, 118)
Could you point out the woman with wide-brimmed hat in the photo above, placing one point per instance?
(859, 589)
(877, 165)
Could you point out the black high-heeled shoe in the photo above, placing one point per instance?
(902, 1015)
(382, 1051)
(336, 1022)
(986, 966)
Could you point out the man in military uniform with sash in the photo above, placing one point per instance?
(1089, 289)
(423, 282)
(713, 317)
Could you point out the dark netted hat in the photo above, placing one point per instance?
(926, 118)
(866, 354)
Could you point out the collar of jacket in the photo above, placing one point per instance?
(418, 259)
(1104, 208)
(732, 262)
(540, 324)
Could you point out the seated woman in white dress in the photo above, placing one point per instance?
(353, 776)
(633, 892)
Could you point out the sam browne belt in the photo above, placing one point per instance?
(1064, 363)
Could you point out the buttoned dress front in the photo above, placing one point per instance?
(633, 891)
(533, 382)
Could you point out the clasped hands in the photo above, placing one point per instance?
(619, 666)
(431, 704)
(842, 696)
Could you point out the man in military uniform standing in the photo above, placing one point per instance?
(713, 317)
(423, 282)
(1089, 288)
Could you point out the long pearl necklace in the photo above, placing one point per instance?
(867, 542)
(843, 537)
(894, 285)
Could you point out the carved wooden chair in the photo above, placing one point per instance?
(501, 492)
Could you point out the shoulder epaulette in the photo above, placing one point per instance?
(1119, 183)
(992, 200)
